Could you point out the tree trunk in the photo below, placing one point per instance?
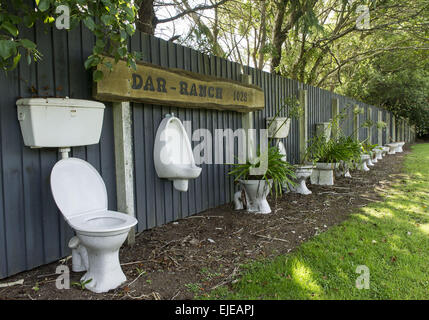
(278, 36)
(263, 35)
(146, 21)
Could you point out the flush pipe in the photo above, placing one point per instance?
(64, 152)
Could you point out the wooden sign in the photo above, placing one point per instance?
(175, 87)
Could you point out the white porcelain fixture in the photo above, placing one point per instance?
(385, 150)
(363, 163)
(282, 150)
(302, 173)
(323, 174)
(374, 157)
(256, 195)
(81, 196)
(378, 153)
(343, 170)
(58, 122)
(238, 200)
(278, 127)
(392, 147)
(400, 145)
(173, 155)
(369, 161)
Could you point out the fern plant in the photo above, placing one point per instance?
(278, 170)
(333, 151)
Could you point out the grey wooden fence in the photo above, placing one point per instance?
(32, 231)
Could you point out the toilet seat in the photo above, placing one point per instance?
(107, 222)
(81, 195)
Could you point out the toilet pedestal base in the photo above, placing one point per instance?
(302, 173)
(363, 166)
(104, 269)
(322, 177)
(300, 187)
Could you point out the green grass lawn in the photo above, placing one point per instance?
(391, 238)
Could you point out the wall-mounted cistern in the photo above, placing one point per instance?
(60, 123)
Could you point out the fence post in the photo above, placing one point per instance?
(369, 129)
(124, 164)
(393, 129)
(247, 123)
(303, 120)
(388, 127)
(399, 130)
(335, 113)
(380, 130)
(356, 123)
(399, 134)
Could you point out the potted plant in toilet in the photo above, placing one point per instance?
(260, 177)
(367, 149)
(278, 128)
(327, 155)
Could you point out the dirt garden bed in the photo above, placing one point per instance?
(193, 255)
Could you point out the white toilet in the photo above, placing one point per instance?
(81, 196)
(173, 155)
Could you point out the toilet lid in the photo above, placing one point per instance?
(77, 188)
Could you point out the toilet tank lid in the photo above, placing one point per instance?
(60, 102)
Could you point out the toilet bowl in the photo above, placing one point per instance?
(173, 155)
(81, 196)
(393, 147)
(364, 158)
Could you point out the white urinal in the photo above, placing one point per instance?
(173, 155)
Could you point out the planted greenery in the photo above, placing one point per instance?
(112, 23)
(367, 147)
(333, 151)
(278, 170)
(381, 124)
(339, 148)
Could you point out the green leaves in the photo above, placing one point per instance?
(112, 22)
(11, 28)
(7, 48)
(27, 44)
(89, 23)
(278, 170)
(43, 5)
(97, 75)
(92, 61)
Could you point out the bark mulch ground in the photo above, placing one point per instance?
(193, 255)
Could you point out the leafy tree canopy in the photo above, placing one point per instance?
(111, 21)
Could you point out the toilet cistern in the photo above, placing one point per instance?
(60, 122)
(172, 153)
